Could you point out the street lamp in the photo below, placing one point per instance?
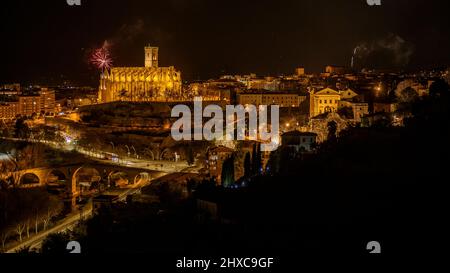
(135, 153)
(128, 148)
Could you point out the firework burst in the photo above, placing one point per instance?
(101, 57)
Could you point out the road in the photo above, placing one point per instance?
(67, 223)
(70, 221)
(151, 165)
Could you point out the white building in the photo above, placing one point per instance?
(300, 141)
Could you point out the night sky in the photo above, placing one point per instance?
(49, 41)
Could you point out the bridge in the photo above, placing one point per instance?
(69, 173)
(138, 177)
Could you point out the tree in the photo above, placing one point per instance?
(20, 209)
(189, 155)
(25, 250)
(346, 112)
(56, 243)
(247, 166)
(273, 165)
(332, 131)
(20, 227)
(256, 159)
(439, 88)
(36, 222)
(4, 236)
(21, 129)
(253, 159)
(259, 160)
(28, 224)
(46, 218)
(228, 172)
(408, 95)
(5, 132)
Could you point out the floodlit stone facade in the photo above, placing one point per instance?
(139, 84)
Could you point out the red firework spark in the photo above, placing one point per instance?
(101, 58)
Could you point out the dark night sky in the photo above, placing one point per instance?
(43, 40)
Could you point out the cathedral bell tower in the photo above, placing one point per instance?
(151, 56)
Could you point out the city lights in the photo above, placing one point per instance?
(222, 136)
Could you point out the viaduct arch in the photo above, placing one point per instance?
(69, 174)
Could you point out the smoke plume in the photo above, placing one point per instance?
(391, 51)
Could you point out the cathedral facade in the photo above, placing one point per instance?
(140, 84)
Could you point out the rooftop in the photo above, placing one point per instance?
(266, 92)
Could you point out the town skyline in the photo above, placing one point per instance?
(242, 38)
(254, 130)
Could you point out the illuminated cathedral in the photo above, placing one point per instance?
(148, 83)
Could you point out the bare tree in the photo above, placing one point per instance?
(36, 222)
(46, 218)
(4, 236)
(15, 178)
(24, 208)
(53, 209)
(20, 228)
(28, 224)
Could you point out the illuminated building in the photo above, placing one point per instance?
(324, 101)
(270, 98)
(380, 107)
(300, 71)
(10, 89)
(29, 104)
(360, 110)
(9, 110)
(348, 94)
(47, 100)
(331, 69)
(299, 141)
(267, 83)
(82, 101)
(216, 90)
(148, 83)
